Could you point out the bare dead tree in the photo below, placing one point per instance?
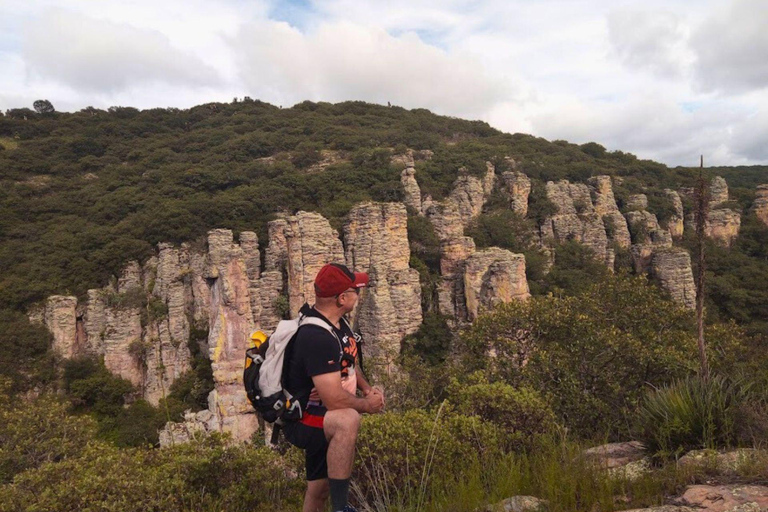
(701, 208)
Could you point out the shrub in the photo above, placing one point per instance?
(585, 354)
(432, 341)
(205, 476)
(38, 431)
(522, 414)
(407, 451)
(692, 413)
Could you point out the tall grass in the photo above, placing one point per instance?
(556, 471)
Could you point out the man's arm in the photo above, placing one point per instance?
(329, 388)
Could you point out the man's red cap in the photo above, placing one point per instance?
(334, 278)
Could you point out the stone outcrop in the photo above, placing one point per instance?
(123, 347)
(671, 266)
(605, 206)
(576, 219)
(718, 191)
(412, 192)
(376, 239)
(231, 322)
(760, 206)
(493, 276)
(725, 498)
(644, 228)
(60, 318)
(614, 455)
(299, 246)
(449, 219)
(470, 193)
(637, 202)
(167, 330)
(723, 225)
(516, 186)
(675, 224)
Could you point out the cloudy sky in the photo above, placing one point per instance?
(664, 79)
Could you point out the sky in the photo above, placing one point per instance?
(663, 79)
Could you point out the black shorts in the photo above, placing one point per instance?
(312, 441)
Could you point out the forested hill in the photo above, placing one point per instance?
(84, 193)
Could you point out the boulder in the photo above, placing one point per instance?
(726, 498)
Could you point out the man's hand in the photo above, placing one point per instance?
(375, 389)
(374, 401)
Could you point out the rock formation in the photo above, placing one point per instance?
(723, 225)
(718, 191)
(299, 246)
(412, 192)
(675, 224)
(605, 206)
(576, 219)
(493, 276)
(671, 266)
(760, 206)
(59, 317)
(231, 322)
(637, 202)
(376, 239)
(470, 193)
(517, 187)
(450, 218)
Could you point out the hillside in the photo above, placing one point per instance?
(84, 193)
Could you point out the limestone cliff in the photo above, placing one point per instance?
(376, 240)
(760, 206)
(412, 192)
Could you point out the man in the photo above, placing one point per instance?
(323, 367)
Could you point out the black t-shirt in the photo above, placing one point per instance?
(316, 351)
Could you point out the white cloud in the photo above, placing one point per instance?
(732, 48)
(655, 40)
(344, 61)
(665, 79)
(88, 54)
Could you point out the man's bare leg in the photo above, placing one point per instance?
(316, 496)
(341, 427)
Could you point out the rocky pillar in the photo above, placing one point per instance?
(493, 276)
(760, 206)
(376, 240)
(231, 324)
(517, 187)
(671, 266)
(60, 318)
